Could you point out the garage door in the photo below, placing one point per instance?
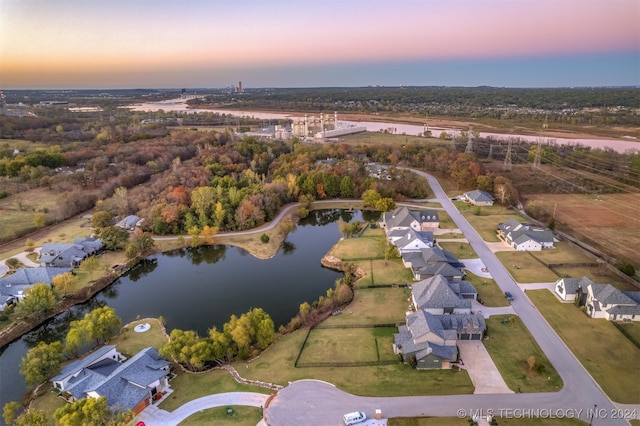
(475, 337)
(464, 336)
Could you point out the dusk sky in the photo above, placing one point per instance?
(301, 43)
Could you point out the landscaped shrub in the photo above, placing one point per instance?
(626, 268)
(264, 238)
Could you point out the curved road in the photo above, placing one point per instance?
(317, 403)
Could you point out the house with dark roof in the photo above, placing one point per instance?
(606, 301)
(130, 222)
(410, 240)
(478, 198)
(430, 341)
(432, 261)
(567, 288)
(418, 220)
(69, 255)
(14, 287)
(525, 237)
(437, 295)
(129, 385)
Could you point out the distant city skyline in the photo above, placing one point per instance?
(81, 44)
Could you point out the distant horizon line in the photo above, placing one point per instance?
(53, 89)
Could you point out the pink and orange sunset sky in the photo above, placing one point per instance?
(301, 43)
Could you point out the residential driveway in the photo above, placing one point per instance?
(490, 311)
(22, 257)
(476, 267)
(152, 415)
(498, 246)
(483, 372)
(3, 268)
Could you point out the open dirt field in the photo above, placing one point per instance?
(609, 222)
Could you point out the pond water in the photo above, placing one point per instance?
(197, 289)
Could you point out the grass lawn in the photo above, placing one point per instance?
(348, 345)
(365, 309)
(632, 330)
(242, 415)
(524, 268)
(445, 220)
(605, 352)
(487, 222)
(449, 235)
(276, 365)
(510, 345)
(129, 342)
(48, 402)
(365, 247)
(488, 291)
(459, 250)
(564, 252)
(380, 272)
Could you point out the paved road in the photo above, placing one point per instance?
(317, 403)
(153, 416)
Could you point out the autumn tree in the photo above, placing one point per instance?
(114, 237)
(41, 362)
(90, 265)
(370, 197)
(188, 349)
(101, 219)
(32, 417)
(91, 411)
(347, 187)
(62, 282)
(9, 411)
(39, 220)
(385, 204)
(38, 300)
(208, 233)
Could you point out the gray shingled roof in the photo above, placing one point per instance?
(522, 232)
(420, 323)
(128, 384)
(606, 293)
(571, 285)
(633, 295)
(83, 363)
(478, 195)
(30, 276)
(435, 293)
(403, 217)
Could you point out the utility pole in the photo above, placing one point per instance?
(537, 158)
(469, 147)
(507, 158)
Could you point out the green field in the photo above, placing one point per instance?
(242, 415)
(603, 350)
(459, 250)
(380, 272)
(524, 268)
(488, 291)
(373, 306)
(510, 345)
(564, 252)
(348, 345)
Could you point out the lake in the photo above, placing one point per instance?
(199, 288)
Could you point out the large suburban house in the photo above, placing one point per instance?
(430, 341)
(418, 220)
(432, 261)
(478, 198)
(14, 287)
(69, 255)
(437, 295)
(606, 301)
(130, 385)
(601, 300)
(567, 288)
(410, 240)
(524, 237)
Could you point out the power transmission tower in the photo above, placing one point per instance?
(537, 158)
(490, 156)
(507, 158)
(453, 142)
(469, 147)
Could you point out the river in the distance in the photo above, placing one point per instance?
(197, 289)
(618, 145)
